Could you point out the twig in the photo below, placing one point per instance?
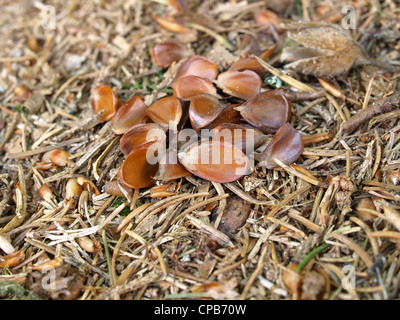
(10, 131)
(239, 192)
(109, 264)
(382, 105)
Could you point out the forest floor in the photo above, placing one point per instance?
(330, 225)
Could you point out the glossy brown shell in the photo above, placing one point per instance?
(187, 87)
(129, 114)
(203, 109)
(241, 84)
(198, 66)
(136, 170)
(140, 134)
(287, 146)
(215, 161)
(267, 111)
(102, 98)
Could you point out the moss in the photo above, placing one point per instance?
(13, 291)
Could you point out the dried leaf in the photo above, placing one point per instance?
(328, 49)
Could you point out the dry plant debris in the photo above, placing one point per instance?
(291, 230)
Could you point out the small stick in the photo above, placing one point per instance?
(291, 196)
(221, 238)
(300, 175)
(222, 204)
(239, 192)
(325, 114)
(317, 137)
(383, 105)
(29, 153)
(10, 131)
(163, 265)
(115, 254)
(199, 205)
(91, 152)
(337, 107)
(102, 208)
(132, 214)
(108, 257)
(230, 267)
(368, 231)
(310, 105)
(368, 93)
(251, 280)
(386, 234)
(304, 95)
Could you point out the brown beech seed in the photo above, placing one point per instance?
(170, 168)
(105, 101)
(242, 84)
(198, 66)
(130, 113)
(267, 111)
(241, 136)
(73, 190)
(227, 115)
(33, 44)
(234, 216)
(166, 112)
(203, 109)
(166, 53)
(215, 161)
(140, 166)
(139, 134)
(60, 158)
(247, 63)
(287, 146)
(46, 193)
(187, 87)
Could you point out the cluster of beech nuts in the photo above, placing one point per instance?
(203, 99)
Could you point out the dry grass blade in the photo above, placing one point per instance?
(386, 234)
(218, 235)
(300, 175)
(285, 78)
(355, 247)
(290, 197)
